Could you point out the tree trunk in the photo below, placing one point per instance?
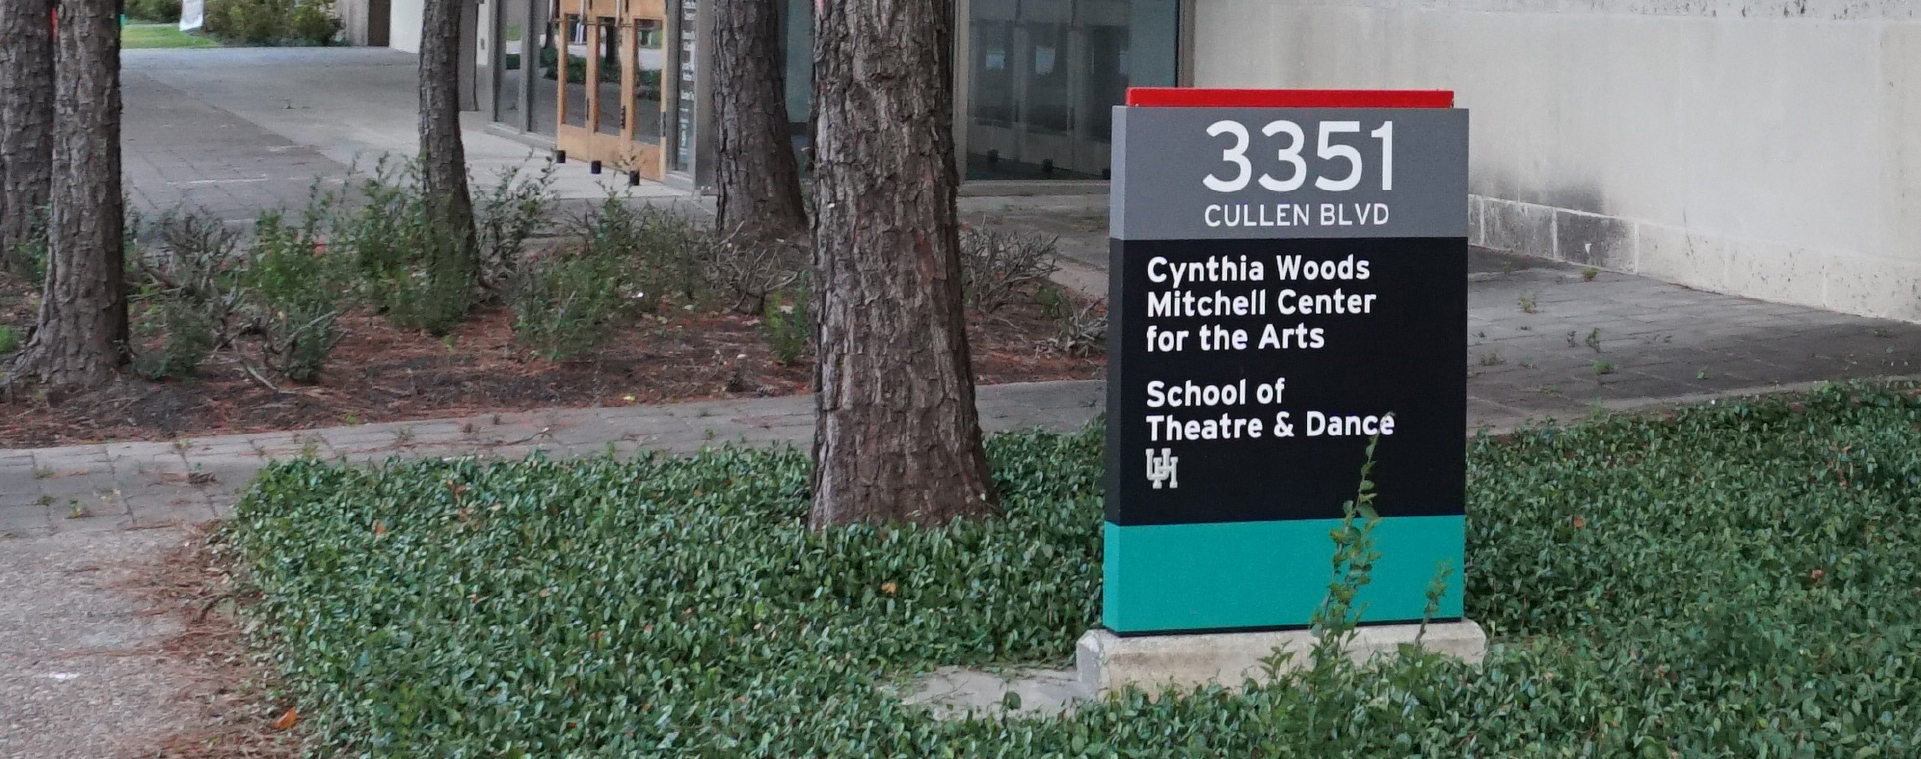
(443, 157)
(26, 124)
(82, 335)
(898, 437)
(757, 181)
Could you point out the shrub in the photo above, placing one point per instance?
(273, 22)
(997, 265)
(186, 293)
(436, 293)
(252, 22)
(313, 23)
(417, 277)
(674, 255)
(749, 270)
(9, 340)
(1080, 329)
(679, 254)
(382, 226)
(565, 303)
(296, 287)
(28, 259)
(787, 325)
(550, 64)
(506, 215)
(422, 279)
(160, 11)
(171, 339)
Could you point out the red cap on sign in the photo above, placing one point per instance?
(1190, 97)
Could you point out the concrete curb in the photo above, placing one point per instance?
(1108, 662)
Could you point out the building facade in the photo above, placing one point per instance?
(1766, 148)
(1036, 79)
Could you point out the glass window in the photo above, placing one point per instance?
(546, 87)
(575, 42)
(1044, 76)
(607, 87)
(649, 63)
(507, 87)
(685, 105)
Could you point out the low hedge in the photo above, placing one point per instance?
(1731, 580)
(273, 22)
(159, 11)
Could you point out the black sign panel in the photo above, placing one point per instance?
(1273, 387)
(1286, 284)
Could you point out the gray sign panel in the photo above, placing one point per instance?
(1250, 173)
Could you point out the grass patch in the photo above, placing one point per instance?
(1734, 580)
(148, 36)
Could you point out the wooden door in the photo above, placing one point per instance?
(607, 110)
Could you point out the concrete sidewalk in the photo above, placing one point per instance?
(241, 130)
(1548, 339)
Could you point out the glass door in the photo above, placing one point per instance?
(1044, 75)
(604, 99)
(683, 107)
(650, 62)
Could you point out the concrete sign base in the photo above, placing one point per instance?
(1108, 662)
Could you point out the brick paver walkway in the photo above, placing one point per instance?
(116, 486)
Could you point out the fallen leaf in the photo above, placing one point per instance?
(287, 720)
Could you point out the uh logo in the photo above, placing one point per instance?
(1163, 468)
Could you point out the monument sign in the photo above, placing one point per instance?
(1288, 280)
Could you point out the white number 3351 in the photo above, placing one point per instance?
(1288, 155)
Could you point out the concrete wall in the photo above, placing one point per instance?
(404, 29)
(364, 22)
(1770, 148)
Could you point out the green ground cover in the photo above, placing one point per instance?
(1732, 580)
(137, 36)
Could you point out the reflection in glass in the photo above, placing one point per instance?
(607, 88)
(1044, 76)
(507, 85)
(993, 91)
(575, 40)
(1046, 104)
(1105, 75)
(546, 89)
(649, 63)
(684, 104)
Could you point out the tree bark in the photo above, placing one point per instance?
(26, 124)
(82, 335)
(756, 177)
(443, 157)
(898, 437)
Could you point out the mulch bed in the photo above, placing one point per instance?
(380, 373)
(237, 713)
